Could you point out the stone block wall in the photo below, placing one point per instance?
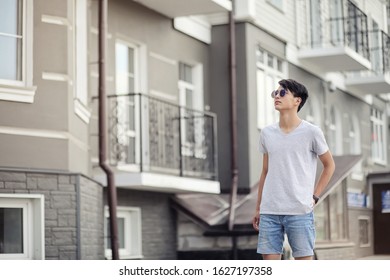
(64, 239)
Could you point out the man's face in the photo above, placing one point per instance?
(285, 100)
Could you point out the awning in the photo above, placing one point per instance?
(211, 211)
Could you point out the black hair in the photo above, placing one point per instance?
(297, 89)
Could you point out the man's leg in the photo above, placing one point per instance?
(300, 231)
(308, 258)
(271, 257)
(271, 237)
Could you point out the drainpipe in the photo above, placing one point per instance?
(112, 200)
(233, 117)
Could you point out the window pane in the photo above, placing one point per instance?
(10, 57)
(260, 55)
(185, 72)
(189, 98)
(9, 14)
(321, 220)
(270, 60)
(121, 233)
(11, 230)
(337, 230)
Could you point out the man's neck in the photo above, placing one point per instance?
(288, 121)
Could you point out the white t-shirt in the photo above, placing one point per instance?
(292, 165)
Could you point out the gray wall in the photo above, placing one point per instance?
(53, 109)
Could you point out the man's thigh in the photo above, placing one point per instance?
(271, 235)
(300, 231)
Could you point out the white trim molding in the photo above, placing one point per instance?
(161, 183)
(194, 26)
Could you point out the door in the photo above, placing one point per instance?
(127, 151)
(381, 201)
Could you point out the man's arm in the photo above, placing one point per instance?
(327, 172)
(255, 220)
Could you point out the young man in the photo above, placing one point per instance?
(287, 192)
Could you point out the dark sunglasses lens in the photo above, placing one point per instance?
(282, 92)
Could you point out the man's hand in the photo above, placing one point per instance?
(256, 221)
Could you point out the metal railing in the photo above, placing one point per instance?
(153, 135)
(380, 52)
(349, 30)
(379, 56)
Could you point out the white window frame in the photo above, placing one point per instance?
(365, 218)
(80, 60)
(266, 113)
(336, 130)
(378, 124)
(132, 234)
(33, 224)
(22, 91)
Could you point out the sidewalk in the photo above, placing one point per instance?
(376, 257)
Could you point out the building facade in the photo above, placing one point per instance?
(161, 134)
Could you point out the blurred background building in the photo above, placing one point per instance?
(168, 114)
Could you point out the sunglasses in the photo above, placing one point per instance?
(281, 93)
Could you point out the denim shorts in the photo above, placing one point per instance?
(300, 231)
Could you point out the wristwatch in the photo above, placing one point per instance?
(316, 198)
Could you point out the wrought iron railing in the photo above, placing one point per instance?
(380, 52)
(349, 30)
(150, 134)
(379, 56)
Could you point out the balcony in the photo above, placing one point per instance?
(337, 43)
(181, 8)
(160, 146)
(376, 80)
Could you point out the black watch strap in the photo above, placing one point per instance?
(316, 198)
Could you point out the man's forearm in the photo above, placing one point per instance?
(324, 180)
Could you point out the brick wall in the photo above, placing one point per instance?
(60, 222)
(158, 222)
(91, 220)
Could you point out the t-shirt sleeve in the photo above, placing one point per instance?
(262, 147)
(320, 146)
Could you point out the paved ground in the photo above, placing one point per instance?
(376, 257)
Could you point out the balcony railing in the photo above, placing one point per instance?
(380, 52)
(147, 134)
(351, 31)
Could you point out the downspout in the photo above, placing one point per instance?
(233, 117)
(112, 200)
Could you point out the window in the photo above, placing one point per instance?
(270, 70)
(330, 220)
(16, 51)
(364, 238)
(21, 227)
(129, 233)
(378, 136)
(127, 105)
(80, 62)
(191, 99)
(335, 132)
(312, 111)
